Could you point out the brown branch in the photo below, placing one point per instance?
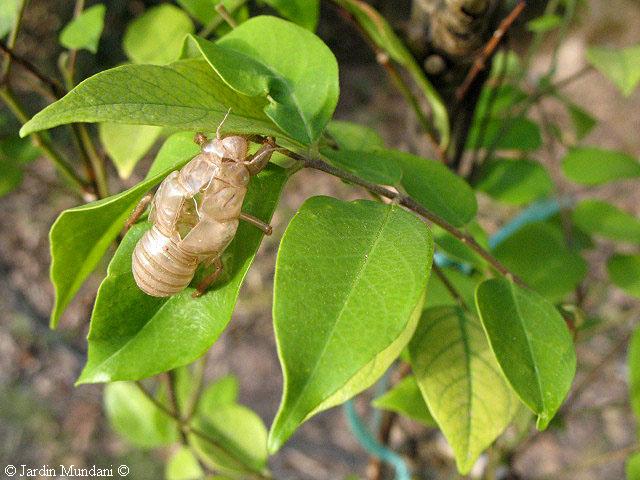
(409, 203)
(53, 85)
(189, 429)
(480, 63)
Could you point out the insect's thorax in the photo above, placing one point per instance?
(223, 199)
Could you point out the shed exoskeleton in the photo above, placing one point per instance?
(195, 214)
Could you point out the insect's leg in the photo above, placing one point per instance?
(256, 162)
(138, 211)
(256, 222)
(207, 281)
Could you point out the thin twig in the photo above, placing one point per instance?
(450, 287)
(487, 51)
(594, 373)
(47, 148)
(195, 431)
(592, 461)
(226, 16)
(70, 69)
(409, 203)
(11, 41)
(383, 58)
(53, 85)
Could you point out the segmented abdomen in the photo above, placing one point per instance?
(160, 267)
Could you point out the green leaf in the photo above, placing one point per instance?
(343, 310)
(382, 34)
(374, 166)
(496, 100)
(136, 418)
(353, 136)
(157, 35)
(303, 12)
(621, 66)
(405, 398)
(461, 382)
(240, 430)
(632, 467)
(18, 150)
(221, 392)
(80, 236)
(624, 271)
(459, 251)
(183, 465)
(465, 285)
(133, 335)
(83, 32)
(436, 188)
(633, 361)
(185, 95)
(514, 181)
(8, 14)
(506, 134)
(595, 166)
(127, 144)
(602, 218)
(545, 23)
(271, 58)
(582, 120)
(10, 176)
(531, 342)
(539, 255)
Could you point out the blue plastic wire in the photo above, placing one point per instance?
(371, 445)
(536, 212)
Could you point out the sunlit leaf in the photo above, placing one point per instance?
(514, 181)
(344, 309)
(621, 66)
(157, 35)
(461, 382)
(136, 418)
(127, 144)
(83, 32)
(531, 342)
(274, 59)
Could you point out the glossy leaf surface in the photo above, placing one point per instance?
(436, 188)
(286, 64)
(138, 94)
(349, 285)
(531, 342)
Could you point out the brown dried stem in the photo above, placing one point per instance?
(481, 61)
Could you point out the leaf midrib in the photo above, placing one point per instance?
(367, 258)
(529, 347)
